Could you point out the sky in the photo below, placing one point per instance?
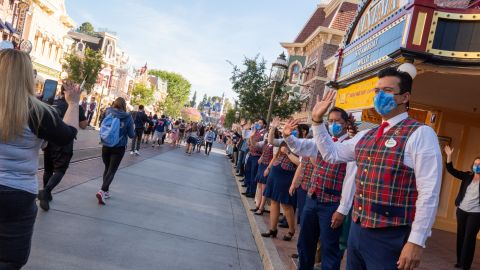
(195, 38)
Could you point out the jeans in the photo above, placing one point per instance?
(111, 156)
(468, 225)
(17, 217)
(208, 147)
(375, 249)
(55, 165)
(241, 163)
(251, 169)
(314, 225)
(137, 139)
(89, 116)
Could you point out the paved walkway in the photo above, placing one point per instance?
(167, 212)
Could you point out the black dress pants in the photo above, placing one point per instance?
(468, 225)
(111, 156)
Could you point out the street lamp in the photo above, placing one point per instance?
(277, 75)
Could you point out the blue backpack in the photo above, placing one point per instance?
(110, 131)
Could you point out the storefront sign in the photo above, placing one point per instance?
(46, 70)
(374, 50)
(357, 96)
(375, 13)
(22, 14)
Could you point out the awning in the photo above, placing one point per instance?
(10, 28)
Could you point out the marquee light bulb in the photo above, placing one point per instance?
(408, 68)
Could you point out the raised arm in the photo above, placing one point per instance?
(456, 173)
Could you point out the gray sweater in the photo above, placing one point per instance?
(19, 157)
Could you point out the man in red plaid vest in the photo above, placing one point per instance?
(397, 182)
(324, 193)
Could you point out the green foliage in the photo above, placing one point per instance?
(142, 95)
(229, 118)
(84, 67)
(86, 28)
(194, 100)
(227, 105)
(254, 91)
(178, 91)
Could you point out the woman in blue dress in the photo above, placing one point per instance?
(280, 175)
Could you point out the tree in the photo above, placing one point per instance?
(194, 100)
(142, 95)
(229, 118)
(254, 90)
(227, 105)
(84, 67)
(178, 91)
(86, 28)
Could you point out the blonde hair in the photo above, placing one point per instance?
(18, 103)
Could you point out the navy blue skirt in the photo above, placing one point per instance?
(260, 178)
(278, 184)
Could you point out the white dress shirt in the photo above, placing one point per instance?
(422, 154)
(308, 148)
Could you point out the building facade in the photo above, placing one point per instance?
(40, 26)
(441, 38)
(317, 41)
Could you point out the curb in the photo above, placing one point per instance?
(268, 252)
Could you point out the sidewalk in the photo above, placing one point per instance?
(167, 212)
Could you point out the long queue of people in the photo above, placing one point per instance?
(373, 193)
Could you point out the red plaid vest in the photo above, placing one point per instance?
(385, 187)
(327, 181)
(254, 150)
(285, 163)
(267, 153)
(306, 172)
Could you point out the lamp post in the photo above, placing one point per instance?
(277, 75)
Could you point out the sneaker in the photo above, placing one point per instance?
(137, 153)
(107, 195)
(101, 197)
(131, 152)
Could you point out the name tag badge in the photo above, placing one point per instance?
(390, 143)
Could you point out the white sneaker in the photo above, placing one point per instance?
(101, 197)
(137, 152)
(107, 195)
(131, 152)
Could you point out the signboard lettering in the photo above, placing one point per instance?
(374, 50)
(375, 14)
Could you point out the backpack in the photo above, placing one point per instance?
(210, 136)
(110, 131)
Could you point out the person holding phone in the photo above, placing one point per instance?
(56, 159)
(26, 122)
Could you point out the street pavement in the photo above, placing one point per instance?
(167, 211)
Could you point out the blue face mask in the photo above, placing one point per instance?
(476, 168)
(294, 133)
(335, 129)
(257, 126)
(384, 103)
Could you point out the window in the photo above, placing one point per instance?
(294, 73)
(80, 47)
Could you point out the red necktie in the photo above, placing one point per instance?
(381, 129)
(334, 139)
